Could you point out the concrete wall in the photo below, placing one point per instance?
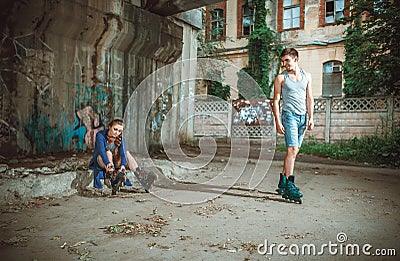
(68, 67)
(345, 118)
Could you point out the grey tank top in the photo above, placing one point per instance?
(111, 146)
(294, 94)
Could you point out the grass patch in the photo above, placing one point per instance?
(377, 149)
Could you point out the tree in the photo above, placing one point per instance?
(262, 50)
(372, 63)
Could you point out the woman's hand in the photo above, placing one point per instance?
(109, 167)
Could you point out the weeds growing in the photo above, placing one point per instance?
(381, 149)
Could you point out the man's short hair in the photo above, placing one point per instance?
(290, 51)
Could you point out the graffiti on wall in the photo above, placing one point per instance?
(83, 94)
(55, 122)
(92, 123)
(252, 112)
(92, 107)
(81, 134)
(26, 63)
(98, 102)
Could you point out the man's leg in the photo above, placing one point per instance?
(287, 121)
(291, 123)
(290, 158)
(291, 192)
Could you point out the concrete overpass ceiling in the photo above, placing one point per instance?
(171, 7)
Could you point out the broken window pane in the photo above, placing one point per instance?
(247, 20)
(333, 10)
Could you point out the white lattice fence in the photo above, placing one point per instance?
(320, 105)
(396, 104)
(360, 104)
(248, 119)
(345, 118)
(212, 118)
(212, 107)
(335, 119)
(252, 118)
(252, 131)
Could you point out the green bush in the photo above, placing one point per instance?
(377, 149)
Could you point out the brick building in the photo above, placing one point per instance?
(307, 25)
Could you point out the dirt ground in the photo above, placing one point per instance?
(344, 206)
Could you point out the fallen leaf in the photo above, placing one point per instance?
(56, 238)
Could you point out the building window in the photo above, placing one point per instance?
(217, 24)
(247, 20)
(334, 10)
(291, 14)
(332, 79)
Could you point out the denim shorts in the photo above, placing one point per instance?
(295, 127)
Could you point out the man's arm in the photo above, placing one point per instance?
(275, 107)
(310, 104)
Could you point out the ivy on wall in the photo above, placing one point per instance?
(211, 49)
(263, 50)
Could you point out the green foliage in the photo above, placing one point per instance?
(211, 49)
(377, 149)
(219, 90)
(207, 48)
(216, 77)
(262, 51)
(372, 46)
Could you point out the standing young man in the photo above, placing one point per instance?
(294, 86)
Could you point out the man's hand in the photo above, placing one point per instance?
(310, 125)
(280, 129)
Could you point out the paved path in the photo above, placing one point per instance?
(361, 202)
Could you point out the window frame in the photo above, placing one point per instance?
(220, 21)
(292, 8)
(322, 12)
(208, 22)
(335, 11)
(281, 15)
(334, 87)
(251, 16)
